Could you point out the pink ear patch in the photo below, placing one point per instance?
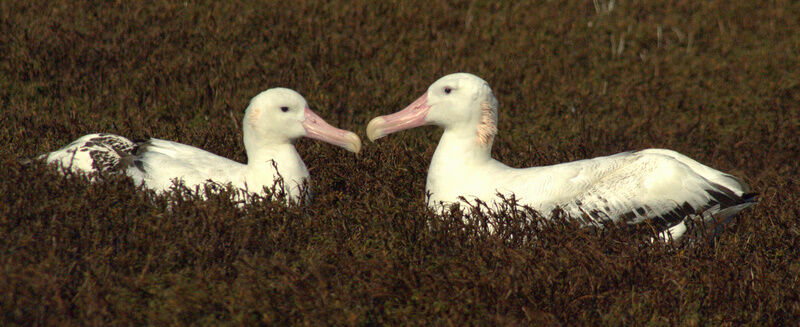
(487, 128)
(253, 116)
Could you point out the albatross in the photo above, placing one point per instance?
(659, 186)
(273, 120)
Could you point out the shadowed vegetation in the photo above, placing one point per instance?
(716, 80)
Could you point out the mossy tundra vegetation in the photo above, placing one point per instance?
(718, 81)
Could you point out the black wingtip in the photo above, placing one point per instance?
(750, 197)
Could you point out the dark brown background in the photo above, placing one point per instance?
(716, 80)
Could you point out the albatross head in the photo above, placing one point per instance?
(281, 115)
(459, 102)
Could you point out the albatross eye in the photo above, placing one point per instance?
(285, 109)
(447, 90)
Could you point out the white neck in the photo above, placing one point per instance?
(461, 143)
(455, 161)
(462, 167)
(282, 154)
(256, 142)
(263, 153)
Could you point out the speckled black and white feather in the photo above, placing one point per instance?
(93, 153)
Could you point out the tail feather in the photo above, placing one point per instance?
(721, 217)
(722, 207)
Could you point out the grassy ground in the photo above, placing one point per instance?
(718, 81)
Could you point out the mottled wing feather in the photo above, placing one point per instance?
(93, 152)
(657, 188)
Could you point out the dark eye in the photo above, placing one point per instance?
(285, 109)
(447, 90)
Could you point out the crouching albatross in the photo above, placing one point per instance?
(272, 121)
(661, 186)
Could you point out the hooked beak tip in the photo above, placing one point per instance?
(354, 144)
(375, 129)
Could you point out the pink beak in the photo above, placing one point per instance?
(316, 128)
(410, 117)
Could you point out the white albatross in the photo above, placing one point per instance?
(656, 185)
(272, 121)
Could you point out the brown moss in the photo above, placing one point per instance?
(573, 81)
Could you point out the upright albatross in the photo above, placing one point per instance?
(656, 185)
(272, 122)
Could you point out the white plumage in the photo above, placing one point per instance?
(272, 121)
(656, 185)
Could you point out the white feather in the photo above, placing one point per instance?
(273, 120)
(659, 185)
